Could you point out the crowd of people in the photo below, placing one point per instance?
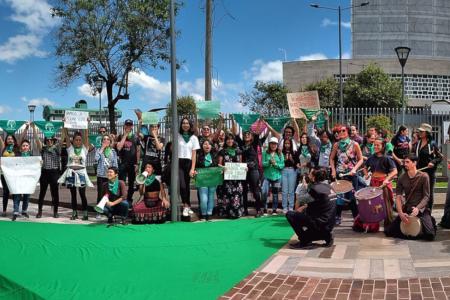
(317, 171)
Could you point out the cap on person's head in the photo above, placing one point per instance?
(129, 122)
(425, 127)
(273, 140)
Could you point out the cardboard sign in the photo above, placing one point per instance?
(209, 177)
(76, 119)
(11, 126)
(297, 101)
(21, 173)
(208, 109)
(49, 128)
(235, 171)
(150, 118)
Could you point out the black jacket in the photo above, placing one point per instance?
(322, 210)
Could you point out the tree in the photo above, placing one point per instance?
(185, 106)
(266, 98)
(372, 87)
(328, 90)
(108, 39)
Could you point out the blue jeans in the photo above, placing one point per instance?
(207, 200)
(120, 209)
(25, 200)
(288, 180)
(275, 187)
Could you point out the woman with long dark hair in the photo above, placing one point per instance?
(288, 176)
(187, 155)
(273, 163)
(402, 147)
(429, 157)
(306, 155)
(206, 158)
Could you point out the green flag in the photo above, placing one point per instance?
(95, 140)
(11, 126)
(277, 123)
(245, 120)
(151, 118)
(209, 177)
(49, 128)
(320, 121)
(208, 109)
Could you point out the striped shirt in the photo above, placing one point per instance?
(51, 158)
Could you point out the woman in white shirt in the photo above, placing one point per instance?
(187, 154)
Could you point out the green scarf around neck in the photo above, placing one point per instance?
(149, 180)
(114, 186)
(77, 150)
(231, 151)
(186, 137)
(343, 144)
(371, 148)
(107, 151)
(304, 151)
(26, 154)
(208, 160)
(324, 147)
(130, 135)
(9, 148)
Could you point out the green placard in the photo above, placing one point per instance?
(245, 120)
(208, 109)
(49, 128)
(277, 123)
(11, 126)
(209, 177)
(95, 140)
(150, 118)
(320, 121)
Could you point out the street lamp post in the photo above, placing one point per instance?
(402, 54)
(99, 87)
(339, 9)
(31, 109)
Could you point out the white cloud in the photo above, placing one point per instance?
(265, 71)
(313, 56)
(347, 25)
(327, 22)
(35, 16)
(37, 101)
(4, 109)
(346, 55)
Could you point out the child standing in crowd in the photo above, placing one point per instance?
(206, 159)
(289, 176)
(25, 151)
(273, 163)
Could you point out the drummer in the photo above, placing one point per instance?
(345, 160)
(416, 187)
(383, 171)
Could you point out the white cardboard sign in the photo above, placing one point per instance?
(235, 171)
(21, 173)
(74, 119)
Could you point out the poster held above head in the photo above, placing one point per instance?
(74, 119)
(245, 120)
(150, 118)
(11, 126)
(21, 173)
(302, 100)
(208, 109)
(49, 128)
(209, 177)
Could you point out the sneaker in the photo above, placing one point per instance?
(39, 214)
(265, 212)
(124, 221)
(98, 216)
(338, 221)
(14, 217)
(190, 211)
(74, 215)
(329, 242)
(186, 212)
(302, 246)
(274, 213)
(24, 214)
(259, 214)
(285, 211)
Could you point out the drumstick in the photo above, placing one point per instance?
(347, 174)
(421, 169)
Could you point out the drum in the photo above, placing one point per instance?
(371, 204)
(413, 228)
(341, 187)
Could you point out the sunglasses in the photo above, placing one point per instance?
(343, 130)
(102, 131)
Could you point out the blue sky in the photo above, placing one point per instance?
(250, 40)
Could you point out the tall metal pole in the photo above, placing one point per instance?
(208, 52)
(100, 107)
(174, 190)
(403, 96)
(341, 84)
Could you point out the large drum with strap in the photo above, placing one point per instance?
(371, 204)
(341, 187)
(413, 228)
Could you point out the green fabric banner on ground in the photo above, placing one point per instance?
(245, 120)
(95, 140)
(209, 177)
(49, 128)
(68, 261)
(208, 109)
(150, 118)
(277, 123)
(11, 126)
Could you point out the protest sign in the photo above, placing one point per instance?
(245, 120)
(21, 173)
(11, 126)
(49, 128)
(74, 119)
(150, 118)
(277, 123)
(302, 100)
(235, 171)
(208, 109)
(209, 177)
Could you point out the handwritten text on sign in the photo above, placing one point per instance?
(76, 119)
(235, 171)
(297, 101)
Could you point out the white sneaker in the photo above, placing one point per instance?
(274, 213)
(186, 212)
(190, 211)
(98, 217)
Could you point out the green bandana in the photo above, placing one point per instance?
(9, 148)
(305, 151)
(51, 149)
(130, 135)
(107, 151)
(208, 160)
(231, 151)
(25, 154)
(77, 150)
(323, 148)
(186, 137)
(371, 148)
(149, 180)
(343, 144)
(114, 186)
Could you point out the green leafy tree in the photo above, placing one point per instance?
(266, 98)
(372, 87)
(185, 106)
(381, 123)
(108, 40)
(328, 90)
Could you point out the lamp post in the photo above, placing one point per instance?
(339, 9)
(99, 87)
(402, 54)
(31, 109)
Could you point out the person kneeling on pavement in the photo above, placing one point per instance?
(314, 216)
(116, 192)
(416, 187)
